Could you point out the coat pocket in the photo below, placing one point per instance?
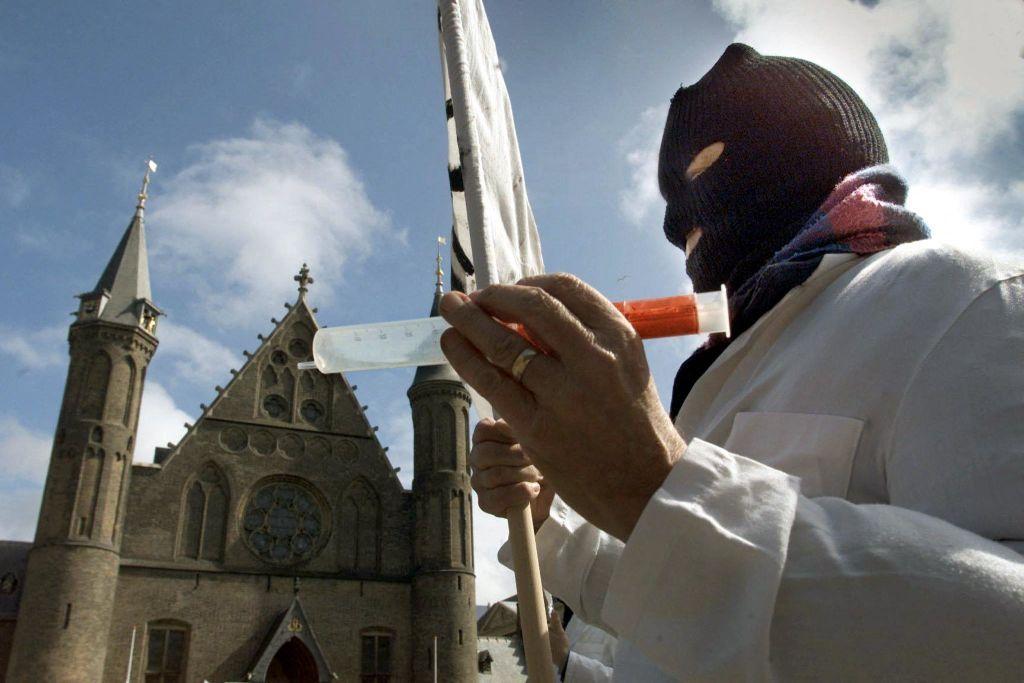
(817, 448)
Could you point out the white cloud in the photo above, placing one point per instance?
(24, 453)
(493, 580)
(24, 458)
(160, 422)
(35, 349)
(944, 78)
(945, 73)
(396, 432)
(641, 203)
(19, 512)
(248, 209)
(194, 357)
(14, 186)
(963, 214)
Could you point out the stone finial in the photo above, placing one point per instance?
(304, 279)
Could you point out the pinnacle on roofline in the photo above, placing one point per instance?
(304, 279)
(143, 193)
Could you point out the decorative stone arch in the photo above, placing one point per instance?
(291, 641)
(128, 372)
(204, 511)
(90, 480)
(445, 439)
(92, 397)
(466, 438)
(359, 531)
(423, 438)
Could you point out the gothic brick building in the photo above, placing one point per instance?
(274, 542)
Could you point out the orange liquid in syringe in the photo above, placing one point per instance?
(669, 316)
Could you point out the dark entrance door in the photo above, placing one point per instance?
(293, 663)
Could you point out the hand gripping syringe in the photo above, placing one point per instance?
(417, 342)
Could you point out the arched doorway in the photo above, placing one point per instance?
(293, 663)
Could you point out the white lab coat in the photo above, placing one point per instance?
(591, 653)
(851, 497)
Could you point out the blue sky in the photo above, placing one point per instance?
(315, 131)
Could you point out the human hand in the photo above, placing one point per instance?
(587, 413)
(503, 474)
(559, 641)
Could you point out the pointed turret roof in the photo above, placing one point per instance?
(444, 372)
(125, 280)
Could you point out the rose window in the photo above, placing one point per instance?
(283, 523)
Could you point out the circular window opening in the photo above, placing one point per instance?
(298, 348)
(279, 357)
(312, 412)
(264, 442)
(275, 406)
(234, 439)
(283, 523)
(291, 446)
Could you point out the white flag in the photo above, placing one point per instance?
(152, 166)
(494, 235)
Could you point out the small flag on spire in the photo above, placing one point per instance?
(441, 241)
(152, 166)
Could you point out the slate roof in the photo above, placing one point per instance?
(126, 277)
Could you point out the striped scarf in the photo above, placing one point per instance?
(863, 215)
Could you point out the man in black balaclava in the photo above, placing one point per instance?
(749, 153)
(839, 491)
(791, 131)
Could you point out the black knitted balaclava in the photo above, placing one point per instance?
(792, 130)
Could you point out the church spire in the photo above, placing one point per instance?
(122, 294)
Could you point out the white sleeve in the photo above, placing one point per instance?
(731, 574)
(580, 669)
(576, 561)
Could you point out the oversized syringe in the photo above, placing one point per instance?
(417, 342)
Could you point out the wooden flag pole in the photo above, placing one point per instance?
(457, 71)
(533, 618)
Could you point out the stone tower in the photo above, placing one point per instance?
(443, 585)
(65, 611)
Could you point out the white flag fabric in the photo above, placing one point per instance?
(494, 234)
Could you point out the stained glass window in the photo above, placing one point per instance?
(283, 523)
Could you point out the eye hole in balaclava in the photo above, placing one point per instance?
(704, 159)
(788, 132)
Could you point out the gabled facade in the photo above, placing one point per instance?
(192, 568)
